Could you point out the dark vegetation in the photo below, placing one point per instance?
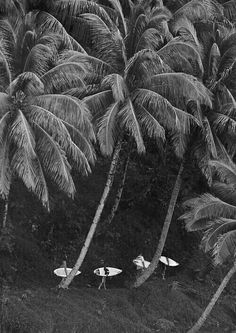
(41, 241)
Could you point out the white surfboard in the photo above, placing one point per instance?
(61, 271)
(169, 262)
(112, 271)
(141, 263)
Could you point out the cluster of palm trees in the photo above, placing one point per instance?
(76, 72)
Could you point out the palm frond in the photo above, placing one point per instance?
(142, 66)
(29, 83)
(91, 65)
(169, 117)
(214, 61)
(227, 60)
(182, 57)
(5, 72)
(66, 10)
(217, 228)
(226, 192)
(118, 8)
(46, 24)
(99, 102)
(187, 33)
(206, 207)
(69, 109)
(5, 105)
(31, 173)
(117, 85)
(40, 60)
(151, 39)
(54, 161)
(224, 124)
(209, 138)
(180, 88)
(5, 170)
(228, 42)
(59, 133)
(225, 247)
(226, 170)
(200, 10)
(135, 34)
(63, 76)
(230, 10)
(108, 130)
(103, 39)
(81, 142)
(130, 122)
(22, 135)
(149, 123)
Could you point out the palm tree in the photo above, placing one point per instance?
(218, 76)
(43, 133)
(138, 82)
(215, 215)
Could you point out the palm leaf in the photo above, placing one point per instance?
(59, 133)
(217, 229)
(5, 170)
(142, 66)
(118, 87)
(54, 161)
(149, 124)
(225, 247)
(40, 60)
(130, 122)
(169, 117)
(63, 77)
(214, 61)
(206, 207)
(226, 192)
(69, 109)
(107, 129)
(230, 10)
(28, 83)
(81, 142)
(65, 11)
(151, 39)
(103, 39)
(5, 73)
(226, 170)
(5, 104)
(209, 137)
(200, 10)
(98, 102)
(46, 24)
(30, 171)
(91, 65)
(180, 88)
(187, 33)
(135, 34)
(176, 51)
(118, 8)
(22, 135)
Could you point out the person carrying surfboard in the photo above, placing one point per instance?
(103, 283)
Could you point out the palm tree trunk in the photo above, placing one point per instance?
(213, 301)
(151, 268)
(4, 218)
(119, 192)
(64, 284)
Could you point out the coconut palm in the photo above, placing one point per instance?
(215, 215)
(43, 133)
(138, 87)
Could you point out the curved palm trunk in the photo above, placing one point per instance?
(64, 284)
(151, 268)
(213, 301)
(4, 219)
(119, 192)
